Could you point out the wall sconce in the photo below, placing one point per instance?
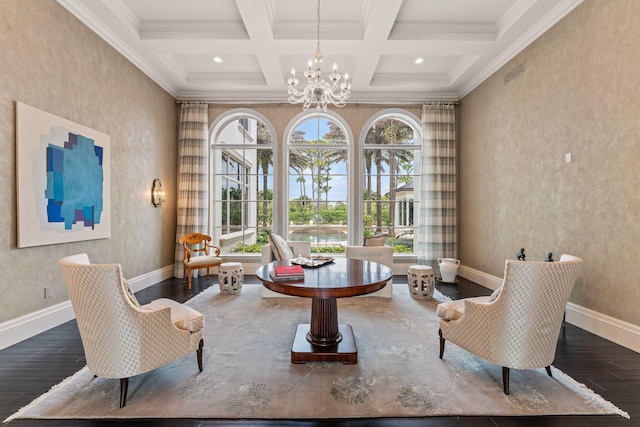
(157, 193)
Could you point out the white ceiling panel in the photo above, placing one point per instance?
(462, 43)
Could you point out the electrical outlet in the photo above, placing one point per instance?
(48, 292)
(157, 261)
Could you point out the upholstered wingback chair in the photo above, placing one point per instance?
(121, 338)
(518, 325)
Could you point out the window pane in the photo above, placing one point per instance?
(242, 185)
(318, 130)
(390, 202)
(318, 182)
(392, 131)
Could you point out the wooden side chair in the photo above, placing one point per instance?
(198, 253)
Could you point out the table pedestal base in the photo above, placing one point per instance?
(345, 351)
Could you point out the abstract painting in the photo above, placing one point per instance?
(62, 180)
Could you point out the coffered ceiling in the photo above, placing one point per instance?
(461, 43)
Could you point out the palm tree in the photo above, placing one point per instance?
(376, 136)
(298, 161)
(264, 160)
(335, 136)
(395, 132)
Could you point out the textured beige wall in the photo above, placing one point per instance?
(51, 61)
(579, 95)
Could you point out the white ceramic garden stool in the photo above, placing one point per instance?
(421, 280)
(230, 276)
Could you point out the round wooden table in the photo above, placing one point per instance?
(324, 339)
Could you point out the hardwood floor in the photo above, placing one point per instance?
(33, 366)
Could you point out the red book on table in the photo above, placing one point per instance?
(288, 270)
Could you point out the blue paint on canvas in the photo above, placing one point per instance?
(75, 182)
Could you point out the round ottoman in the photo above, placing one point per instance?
(421, 281)
(230, 276)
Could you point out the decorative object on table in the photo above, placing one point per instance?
(507, 331)
(421, 281)
(122, 339)
(521, 256)
(312, 262)
(198, 253)
(62, 176)
(231, 278)
(287, 273)
(448, 269)
(549, 257)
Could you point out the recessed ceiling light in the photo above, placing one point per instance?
(217, 59)
(419, 60)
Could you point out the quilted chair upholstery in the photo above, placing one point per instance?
(121, 338)
(380, 254)
(518, 326)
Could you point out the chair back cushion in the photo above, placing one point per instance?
(281, 251)
(183, 316)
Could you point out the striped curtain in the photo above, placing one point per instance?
(193, 186)
(437, 232)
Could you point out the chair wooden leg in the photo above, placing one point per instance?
(505, 379)
(190, 277)
(199, 353)
(442, 340)
(124, 387)
(548, 368)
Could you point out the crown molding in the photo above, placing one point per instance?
(80, 11)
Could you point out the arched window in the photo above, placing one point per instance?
(242, 153)
(318, 180)
(390, 169)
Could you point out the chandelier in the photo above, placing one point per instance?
(318, 90)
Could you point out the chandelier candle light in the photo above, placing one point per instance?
(318, 90)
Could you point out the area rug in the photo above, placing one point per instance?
(248, 374)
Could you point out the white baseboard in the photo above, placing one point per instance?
(620, 332)
(29, 325)
(479, 277)
(607, 327)
(149, 279)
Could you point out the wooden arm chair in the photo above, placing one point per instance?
(198, 253)
(121, 338)
(518, 325)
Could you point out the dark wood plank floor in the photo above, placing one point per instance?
(33, 366)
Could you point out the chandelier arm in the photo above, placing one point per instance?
(317, 90)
